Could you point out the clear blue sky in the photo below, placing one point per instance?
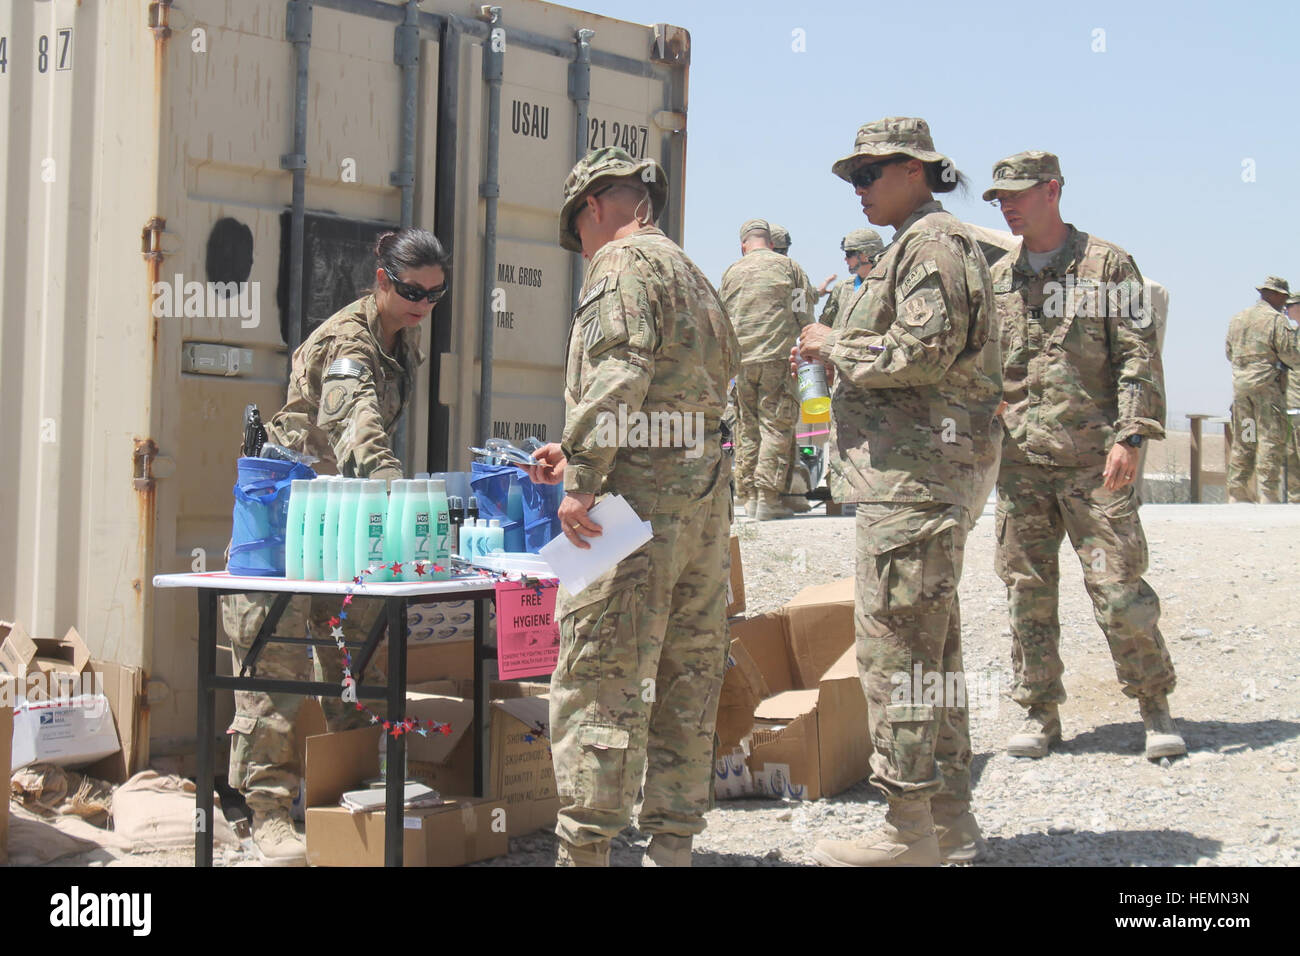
(1152, 133)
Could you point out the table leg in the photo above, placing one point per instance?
(205, 727)
(396, 782)
(481, 606)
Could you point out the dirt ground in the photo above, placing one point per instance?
(1226, 576)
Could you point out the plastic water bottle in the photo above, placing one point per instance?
(468, 538)
(294, 528)
(440, 528)
(494, 541)
(347, 539)
(415, 528)
(330, 535)
(515, 512)
(814, 397)
(313, 529)
(369, 530)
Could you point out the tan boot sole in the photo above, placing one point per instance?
(1025, 746)
(1165, 745)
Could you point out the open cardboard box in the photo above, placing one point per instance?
(792, 692)
(6, 738)
(464, 830)
(736, 582)
(520, 773)
(38, 666)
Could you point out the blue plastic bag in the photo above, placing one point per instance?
(261, 515)
(539, 522)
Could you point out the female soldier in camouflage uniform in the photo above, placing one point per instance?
(348, 386)
(916, 445)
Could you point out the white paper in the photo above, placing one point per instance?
(622, 532)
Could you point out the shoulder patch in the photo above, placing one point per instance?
(347, 368)
(594, 292)
(916, 277)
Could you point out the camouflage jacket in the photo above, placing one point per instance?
(917, 378)
(346, 393)
(1260, 343)
(769, 299)
(1080, 365)
(649, 336)
(833, 310)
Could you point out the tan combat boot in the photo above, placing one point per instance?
(1163, 739)
(771, 506)
(667, 850)
(906, 839)
(798, 504)
(1042, 728)
(277, 841)
(960, 840)
(590, 854)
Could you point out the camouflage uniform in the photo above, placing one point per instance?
(1293, 421)
(768, 298)
(864, 242)
(345, 395)
(914, 440)
(1260, 345)
(1081, 371)
(642, 649)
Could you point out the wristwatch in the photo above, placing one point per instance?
(1134, 441)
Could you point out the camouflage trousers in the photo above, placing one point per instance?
(767, 409)
(1259, 445)
(1293, 460)
(263, 751)
(908, 626)
(635, 691)
(1037, 506)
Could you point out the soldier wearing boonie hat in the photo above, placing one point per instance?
(915, 444)
(1261, 344)
(649, 338)
(1084, 388)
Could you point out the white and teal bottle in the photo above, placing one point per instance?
(330, 535)
(293, 528)
(369, 531)
(468, 539)
(493, 540)
(313, 527)
(440, 528)
(393, 526)
(347, 538)
(415, 529)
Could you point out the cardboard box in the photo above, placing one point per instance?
(463, 831)
(736, 583)
(447, 621)
(66, 732)
(441, 660)
(39, 667)
(523, 776)
(6, 739)
(791, 697)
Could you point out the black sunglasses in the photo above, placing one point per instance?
(573, 220)
(863, 176)
(413, 293)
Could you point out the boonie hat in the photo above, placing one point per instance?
(1274, 284)
(890, 136)
(1024, 170)
(607, 163)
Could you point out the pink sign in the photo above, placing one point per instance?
(528, 636)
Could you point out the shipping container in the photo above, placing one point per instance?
(190, 188)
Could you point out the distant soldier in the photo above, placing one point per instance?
(1084, 388)
(861, 248)
(768, 299)
(1293, 421)
(348, 386)
(1261, 345)
(916, 439)
(634, 696)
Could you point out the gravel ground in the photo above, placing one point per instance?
(1225, 576)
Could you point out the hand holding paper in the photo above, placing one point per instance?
(622, 533)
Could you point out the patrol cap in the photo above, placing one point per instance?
(780, 238)
(602, 165)
(1274, 284)
(1024, 170)
(890, 136)
(863, 241)
(755, 225)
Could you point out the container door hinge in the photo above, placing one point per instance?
(149, 465)
(159, 15)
